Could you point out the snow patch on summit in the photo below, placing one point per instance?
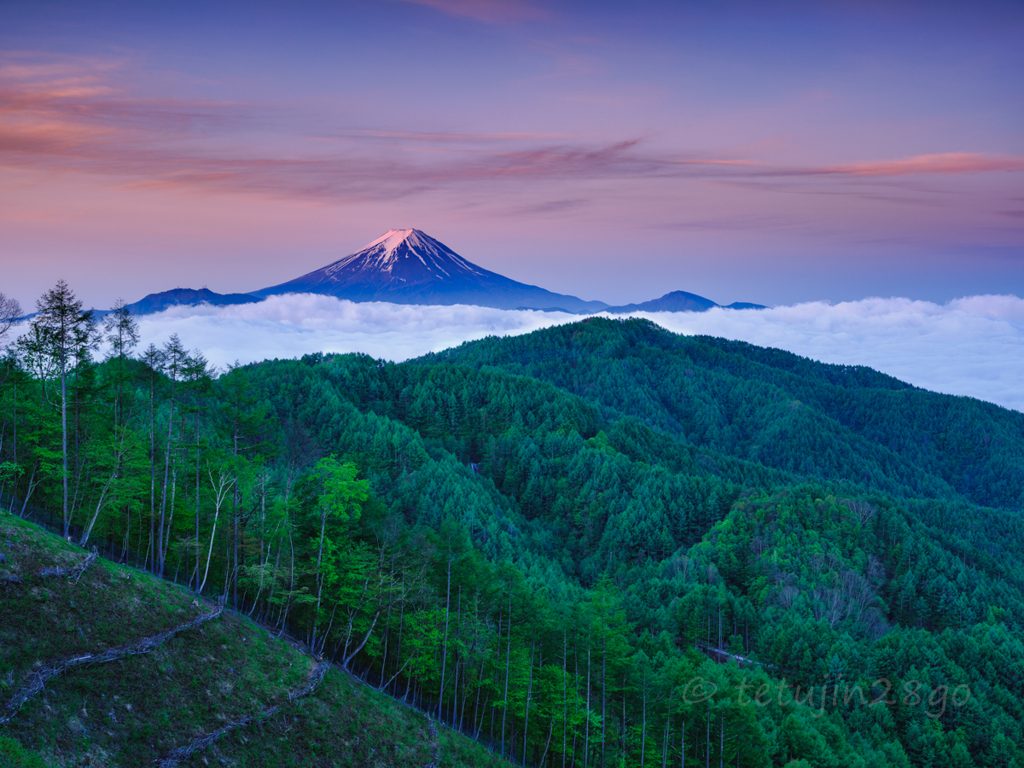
(387, 249)
(391, 239)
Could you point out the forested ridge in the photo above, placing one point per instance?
(597, 544)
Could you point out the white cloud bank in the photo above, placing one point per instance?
(972, 346)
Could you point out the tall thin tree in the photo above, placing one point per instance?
(62, 333)
(174, 359)
(121, 332)
(152, 358)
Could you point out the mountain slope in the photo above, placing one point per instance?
(814, 579)
(182, 297)
(132, 711)
(774, 407)
(679, 301)
(407, 266)
(158, 302)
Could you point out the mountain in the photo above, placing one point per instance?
(158, 302)
(786, 412)
(407, 266)
(744, 305)
(177, 297)
(679, 301)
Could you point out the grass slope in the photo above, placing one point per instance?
(133, 711)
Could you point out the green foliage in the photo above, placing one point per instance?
(547, 541)
(13, 755)
(342, 493)
(129, 713)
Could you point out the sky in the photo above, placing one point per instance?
(807, 154)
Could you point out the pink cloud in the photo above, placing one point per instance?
(945, 164)
(455, 138)
(69, 117)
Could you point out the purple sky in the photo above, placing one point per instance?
(614, 151)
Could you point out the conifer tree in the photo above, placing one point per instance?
(174, 359)
(62, 335)
(121, 331)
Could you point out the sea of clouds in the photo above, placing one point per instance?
(971, 346)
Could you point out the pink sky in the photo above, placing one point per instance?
(827, 151)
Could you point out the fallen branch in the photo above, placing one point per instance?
(203, 741)
(39, 678)
(75, 573)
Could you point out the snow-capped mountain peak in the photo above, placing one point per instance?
(404, 254)
(391, 239)
(408, 266)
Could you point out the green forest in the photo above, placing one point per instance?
(599, 544)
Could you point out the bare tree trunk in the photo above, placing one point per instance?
(508, 665)
(401, 627)
(319, 578)
(163, 498)
(444, 642)
(127, 535)
(682, 745)
(152, 462)
(551, 730)
(668, 731)
(197, 487)
(234, 538)
(291, 582)
(209, 554)
(358, 648)
(30, 489)
(16, 436)
(273, 582)
(220, 487)
(64, 441)
(170, 518)
(458, 660)
(707, 739)
(643, 721)
(526, 717)
(586, 737)
(496, 662)
(476, 706)
(565, 702)
(721, 742)
(604, 688)
(99, 507)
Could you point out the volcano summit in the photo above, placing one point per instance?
(407, 266)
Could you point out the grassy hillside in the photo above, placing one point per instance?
(133, 711)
